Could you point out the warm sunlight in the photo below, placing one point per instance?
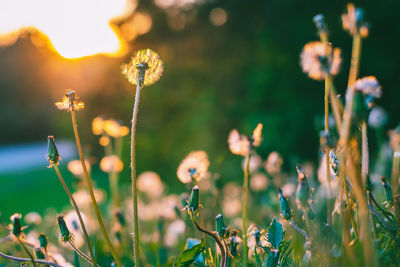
(74, 28)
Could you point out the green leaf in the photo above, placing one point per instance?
(275, 233)
(272, 259)
(189, 255)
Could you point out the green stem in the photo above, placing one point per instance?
(90, 189)
(71, 198)
(79, 252)
(133, 175)
(328, 170)
(27, 251)
(244, 209)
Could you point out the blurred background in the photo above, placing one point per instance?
(228, 64)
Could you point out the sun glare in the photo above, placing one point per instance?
(74, 28)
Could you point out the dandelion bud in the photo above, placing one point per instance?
(334, 162)
(303, 189)
(120, 218)
(194, 199)
(353, 21)
(233, 244)
(43, 241)
(65, 233)
(221, 229)
(388, 189)
(257, 236)
(53, 156)
(39, 253)
(16, 224)
(284, 204)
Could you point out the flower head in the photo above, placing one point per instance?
(147, 62)
(370, 87)
(15, 226)
(378, 118)
(70, 102)
(194, 166)
(319, 60)
(111, 164)
(75, 167)
(97, 125)
(241, 144)
(150, 183)
(115, 129)
(274, 162)
(353, 21)
(65, 233)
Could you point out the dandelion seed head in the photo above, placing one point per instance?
(369, 86)
(274, 162)
(97, 126)
(378, 118)
(238, 144)
(104, 141)
(259, 182)
(111, 164)
(194, 166)
(319, 60)
(75, 167)
(174, 231)
(254, 164)
(33, 218)
(70, 102)
(83, 199)
(144, 59)
(150, 183)
(257, 138)
(353, 21)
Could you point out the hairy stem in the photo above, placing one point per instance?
(71, 198)
(133, 174)
(244, 209)
(79, 252)
(90, 189)
(27, 251)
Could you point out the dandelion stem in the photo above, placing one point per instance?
(133, 171)
(90, 189)
(214, 236)
(71, 198)
(244, 211)
(26, 260)
(79, 252)
(27, 251)
(328, 170)
(301, 231)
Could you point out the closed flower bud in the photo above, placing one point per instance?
(16, 224)
(320, 23)
(53, 156)
(120, 218)
(388, 189)
(194, 199)
(65, 233)
(284, 204)
(43, 241)
(303, 189)
(220, 225)
(39, 253)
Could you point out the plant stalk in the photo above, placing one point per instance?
(27, 251)
(26, 260)
(328, 169)
(90, 189)
(244, 208)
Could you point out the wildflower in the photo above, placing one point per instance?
(70, 102)
(43, 241)
(53, 156)
(65, 233)
(259, 182)
(174, 230)
(111, 164)
(284, 204)
(320, 60)
(353, 21)
(274, 163)
(75, 167)
(83, 199)
(241, 144)
(194, 167)
(320, 23)
(220, 225)
(97, 126)
(114, 129)
(378, 118)
(16, 229)
(33, 218)
(73, 224)
(289, 189)
(231, 207)
(147, 61)
(150, 183)
(370, 87)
